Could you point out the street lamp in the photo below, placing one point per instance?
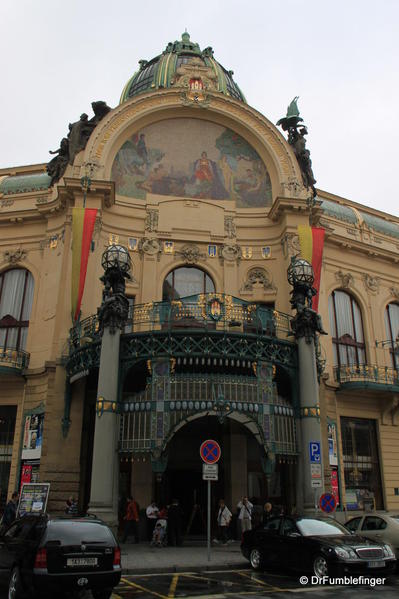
(112, 316)
(114, 309)
(305, 326)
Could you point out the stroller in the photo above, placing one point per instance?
(159, 536)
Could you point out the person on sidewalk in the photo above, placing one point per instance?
(267, 512)
(10, 512)
(152, 513)
(174, 524)
(131, 520)
(245, 514)
(223, 519)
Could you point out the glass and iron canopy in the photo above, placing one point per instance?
(159, 72)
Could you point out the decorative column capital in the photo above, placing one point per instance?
(307, 323)
(113, 313)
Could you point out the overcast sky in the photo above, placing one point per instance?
(340, 57)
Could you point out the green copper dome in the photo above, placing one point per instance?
(159, 72)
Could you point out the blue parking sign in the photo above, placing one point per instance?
(314, 452)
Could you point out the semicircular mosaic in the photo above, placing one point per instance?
(191, 158)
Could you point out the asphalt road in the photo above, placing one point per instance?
(241, 584)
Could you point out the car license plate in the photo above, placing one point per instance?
(376, 564)
(74, 562)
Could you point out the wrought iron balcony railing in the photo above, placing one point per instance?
(212, 311)
(366, 373)
(15, 359)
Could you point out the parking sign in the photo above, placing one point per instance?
(314, 452)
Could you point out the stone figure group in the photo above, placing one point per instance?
(75, 141)
(296, 138)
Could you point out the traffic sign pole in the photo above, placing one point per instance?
(208, 531)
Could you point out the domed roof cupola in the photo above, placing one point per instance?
(163, 70)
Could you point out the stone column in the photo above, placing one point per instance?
(104, 476)
(112, 316)
(306, 325)
(310, 420)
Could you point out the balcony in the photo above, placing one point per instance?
(13, 361)
(216, 326)
(367, 376)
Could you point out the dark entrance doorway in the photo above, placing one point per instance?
(183, 477)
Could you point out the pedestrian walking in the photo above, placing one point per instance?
(245, 514)
(267, 512)
(175, 524)
(223, 519)
(71, 506)
(10, 512)
(152, 513)
(131, 520)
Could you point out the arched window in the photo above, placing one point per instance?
(186, 280)
(392, 328)
(346, 330)
(16, 296)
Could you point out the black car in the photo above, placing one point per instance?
(317, 545)
(40, 556)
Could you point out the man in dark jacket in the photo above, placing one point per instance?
(174, 524)
(11, 510)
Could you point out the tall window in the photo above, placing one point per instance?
(346, 330)
(16, 296)
(392, 328)
(361, 462)
(184, 281)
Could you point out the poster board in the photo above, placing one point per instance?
(33, 498)
(32, 437)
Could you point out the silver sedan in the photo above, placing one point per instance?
(378, 527)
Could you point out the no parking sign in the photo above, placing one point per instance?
(210, 451)
(327, 503)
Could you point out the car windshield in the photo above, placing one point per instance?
(72, 532)
(311, 527)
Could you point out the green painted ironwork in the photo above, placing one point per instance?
(13, 360)
(367, 376)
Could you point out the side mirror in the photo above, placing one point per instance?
(294, 534)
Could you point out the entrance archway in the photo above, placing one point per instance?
(240, 468)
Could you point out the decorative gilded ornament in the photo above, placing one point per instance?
(168, 247)
(247, 252)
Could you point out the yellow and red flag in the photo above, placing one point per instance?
(83, 220)
(311, 240)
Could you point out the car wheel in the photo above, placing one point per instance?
(103, 594)
(14, 585)
(255, 559)
(320, 566)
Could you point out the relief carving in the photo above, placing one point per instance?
(346, 279)
(257, 277)
(372, 284)
(191, 254)
(14, 256)
(151, 220)
(229, 226)
(148, 246)
(290, 243)
(231, 253)
(395, 292)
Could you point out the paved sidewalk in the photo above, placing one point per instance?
(143, 559)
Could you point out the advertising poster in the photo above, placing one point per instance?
(334, 485)
(332, 444)
(33, 498)
(33, 434)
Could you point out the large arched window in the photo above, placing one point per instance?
(346, 330)
(16, 296)
(392, 328)
(186, 280)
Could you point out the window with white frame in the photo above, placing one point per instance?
(16, 297)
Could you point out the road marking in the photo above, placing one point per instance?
(261, 582)
(173, 585)
(141, 588)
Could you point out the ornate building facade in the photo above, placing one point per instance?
(207, 194)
